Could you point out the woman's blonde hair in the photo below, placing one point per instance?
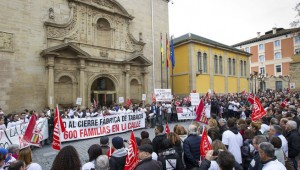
(217, 144)
(212, 123)
(180, 130)
(25, 155)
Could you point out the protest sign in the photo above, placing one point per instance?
(121, 100)
(15, 134)
(78, 101)
(195, 99)
(77, 129)
(163, 95)
(186, 113)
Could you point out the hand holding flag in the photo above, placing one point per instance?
(205, 146)
(132, 156)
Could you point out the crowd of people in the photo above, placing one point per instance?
(272, 142)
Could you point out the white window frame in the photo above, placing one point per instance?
(264, 70)
(275, 71)
(248, 51)
(277, 47)
(298, 39)
(263, 45)
(277, 58)
(263, 60)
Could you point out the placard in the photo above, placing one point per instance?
(163, 95)
(78, 129)
(121, 99)
(292, 85)
(195, 99)
(78, 101)
(144, 97)
(186, 113)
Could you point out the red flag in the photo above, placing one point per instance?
(200, 116)
(30, 129)
(167, 128)
(257, 111)
(251, 98)
(132, 156)
(283, 104)
(153, 98)
(205, 146)
(58, 128)
(128, 102)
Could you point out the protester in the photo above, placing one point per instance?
(267, 156)
(8, 158)
(67, 159)
(25, 155)
(233, 140)
(293, 138)
(191, 148)
(169, 158)
(94, 151)
(275, 130)
(146, 161)
(222, 126)
(255, 127)
(276, 142)
(159, 137)
(17, 165)
(118, 158)
(104, 144)
(13, 150)
(145, 138)
(102, 163)
(255, 163)
(225, 160)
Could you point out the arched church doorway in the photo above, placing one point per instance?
(103, 90)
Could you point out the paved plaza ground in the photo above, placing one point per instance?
(45, 155)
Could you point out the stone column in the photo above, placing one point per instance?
(50, 93)
(145, 82)
(238, 63)
(81, 83)
(192, 69)
(212, 69)
(226, 71)
(127, 83)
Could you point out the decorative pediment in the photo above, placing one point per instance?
(63, 48)
(110, 6)
(138, 60)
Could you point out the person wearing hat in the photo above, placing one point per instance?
(146, 161)
(104, 143)
(118, 158)
(7, 158)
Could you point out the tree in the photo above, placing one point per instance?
(296, 22)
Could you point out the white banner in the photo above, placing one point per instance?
(163, 95)
(185, 113)
(84, 128)
(14, 135)
(195, 99)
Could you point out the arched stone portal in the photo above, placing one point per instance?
(103, 90)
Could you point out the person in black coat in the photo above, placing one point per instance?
(146, 161)
(159, 137)
(293, 138)
(169, 158)
(191, 148)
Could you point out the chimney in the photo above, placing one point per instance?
(274, 30)
(258, 34)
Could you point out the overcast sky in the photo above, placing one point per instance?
(229, 21)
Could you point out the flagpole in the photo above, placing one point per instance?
(167, 77)
(161, 71)
(172, 80)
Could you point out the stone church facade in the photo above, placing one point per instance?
(53, 52)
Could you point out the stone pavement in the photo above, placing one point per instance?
(45, 155)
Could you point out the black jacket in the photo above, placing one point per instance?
(293, 138)
(149, 164)
(157, 142)
(117, 163)
(191, 149)
(256, 162)
(173, 159)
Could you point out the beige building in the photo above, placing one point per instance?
(55, 51)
